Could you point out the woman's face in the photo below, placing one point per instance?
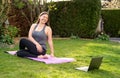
(43, 18)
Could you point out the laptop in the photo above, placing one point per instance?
(94, 64)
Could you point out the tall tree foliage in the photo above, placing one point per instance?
(19, 13)
(3, 17)
(22, 13)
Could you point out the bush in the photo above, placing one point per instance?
(111, 22)
(103, 36)
(8, 34)
(76, 17)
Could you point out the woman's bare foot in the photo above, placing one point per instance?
(43, 56)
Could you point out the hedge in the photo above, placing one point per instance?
(112, 22)
(77, 17)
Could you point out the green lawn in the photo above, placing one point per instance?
(81, 50)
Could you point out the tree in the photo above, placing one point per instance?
(18, 13)
(22, 13)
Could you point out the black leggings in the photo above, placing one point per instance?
(28, 49)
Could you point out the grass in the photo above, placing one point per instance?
(81, 50)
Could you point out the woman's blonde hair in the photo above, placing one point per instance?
(42, 13)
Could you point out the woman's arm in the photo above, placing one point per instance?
(38, 46)
(50, 41)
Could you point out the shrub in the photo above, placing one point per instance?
(8, 34)
(103, 36)
(111, 22)
(77, 17)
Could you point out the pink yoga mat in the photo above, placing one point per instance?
(50, 60)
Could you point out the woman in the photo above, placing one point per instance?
(39, 34)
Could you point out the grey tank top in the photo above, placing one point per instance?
(40, 36)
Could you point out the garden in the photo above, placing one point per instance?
(77, 33)
(80, 49)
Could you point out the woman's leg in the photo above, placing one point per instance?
(28, 49)
(27, 44)
(25, 53)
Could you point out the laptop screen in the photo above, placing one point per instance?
(95, 63)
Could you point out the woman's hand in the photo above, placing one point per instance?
(39, 48)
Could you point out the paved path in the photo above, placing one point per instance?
(115, 39)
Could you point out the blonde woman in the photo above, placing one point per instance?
(39, 34)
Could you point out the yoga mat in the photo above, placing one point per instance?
(50, 60)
